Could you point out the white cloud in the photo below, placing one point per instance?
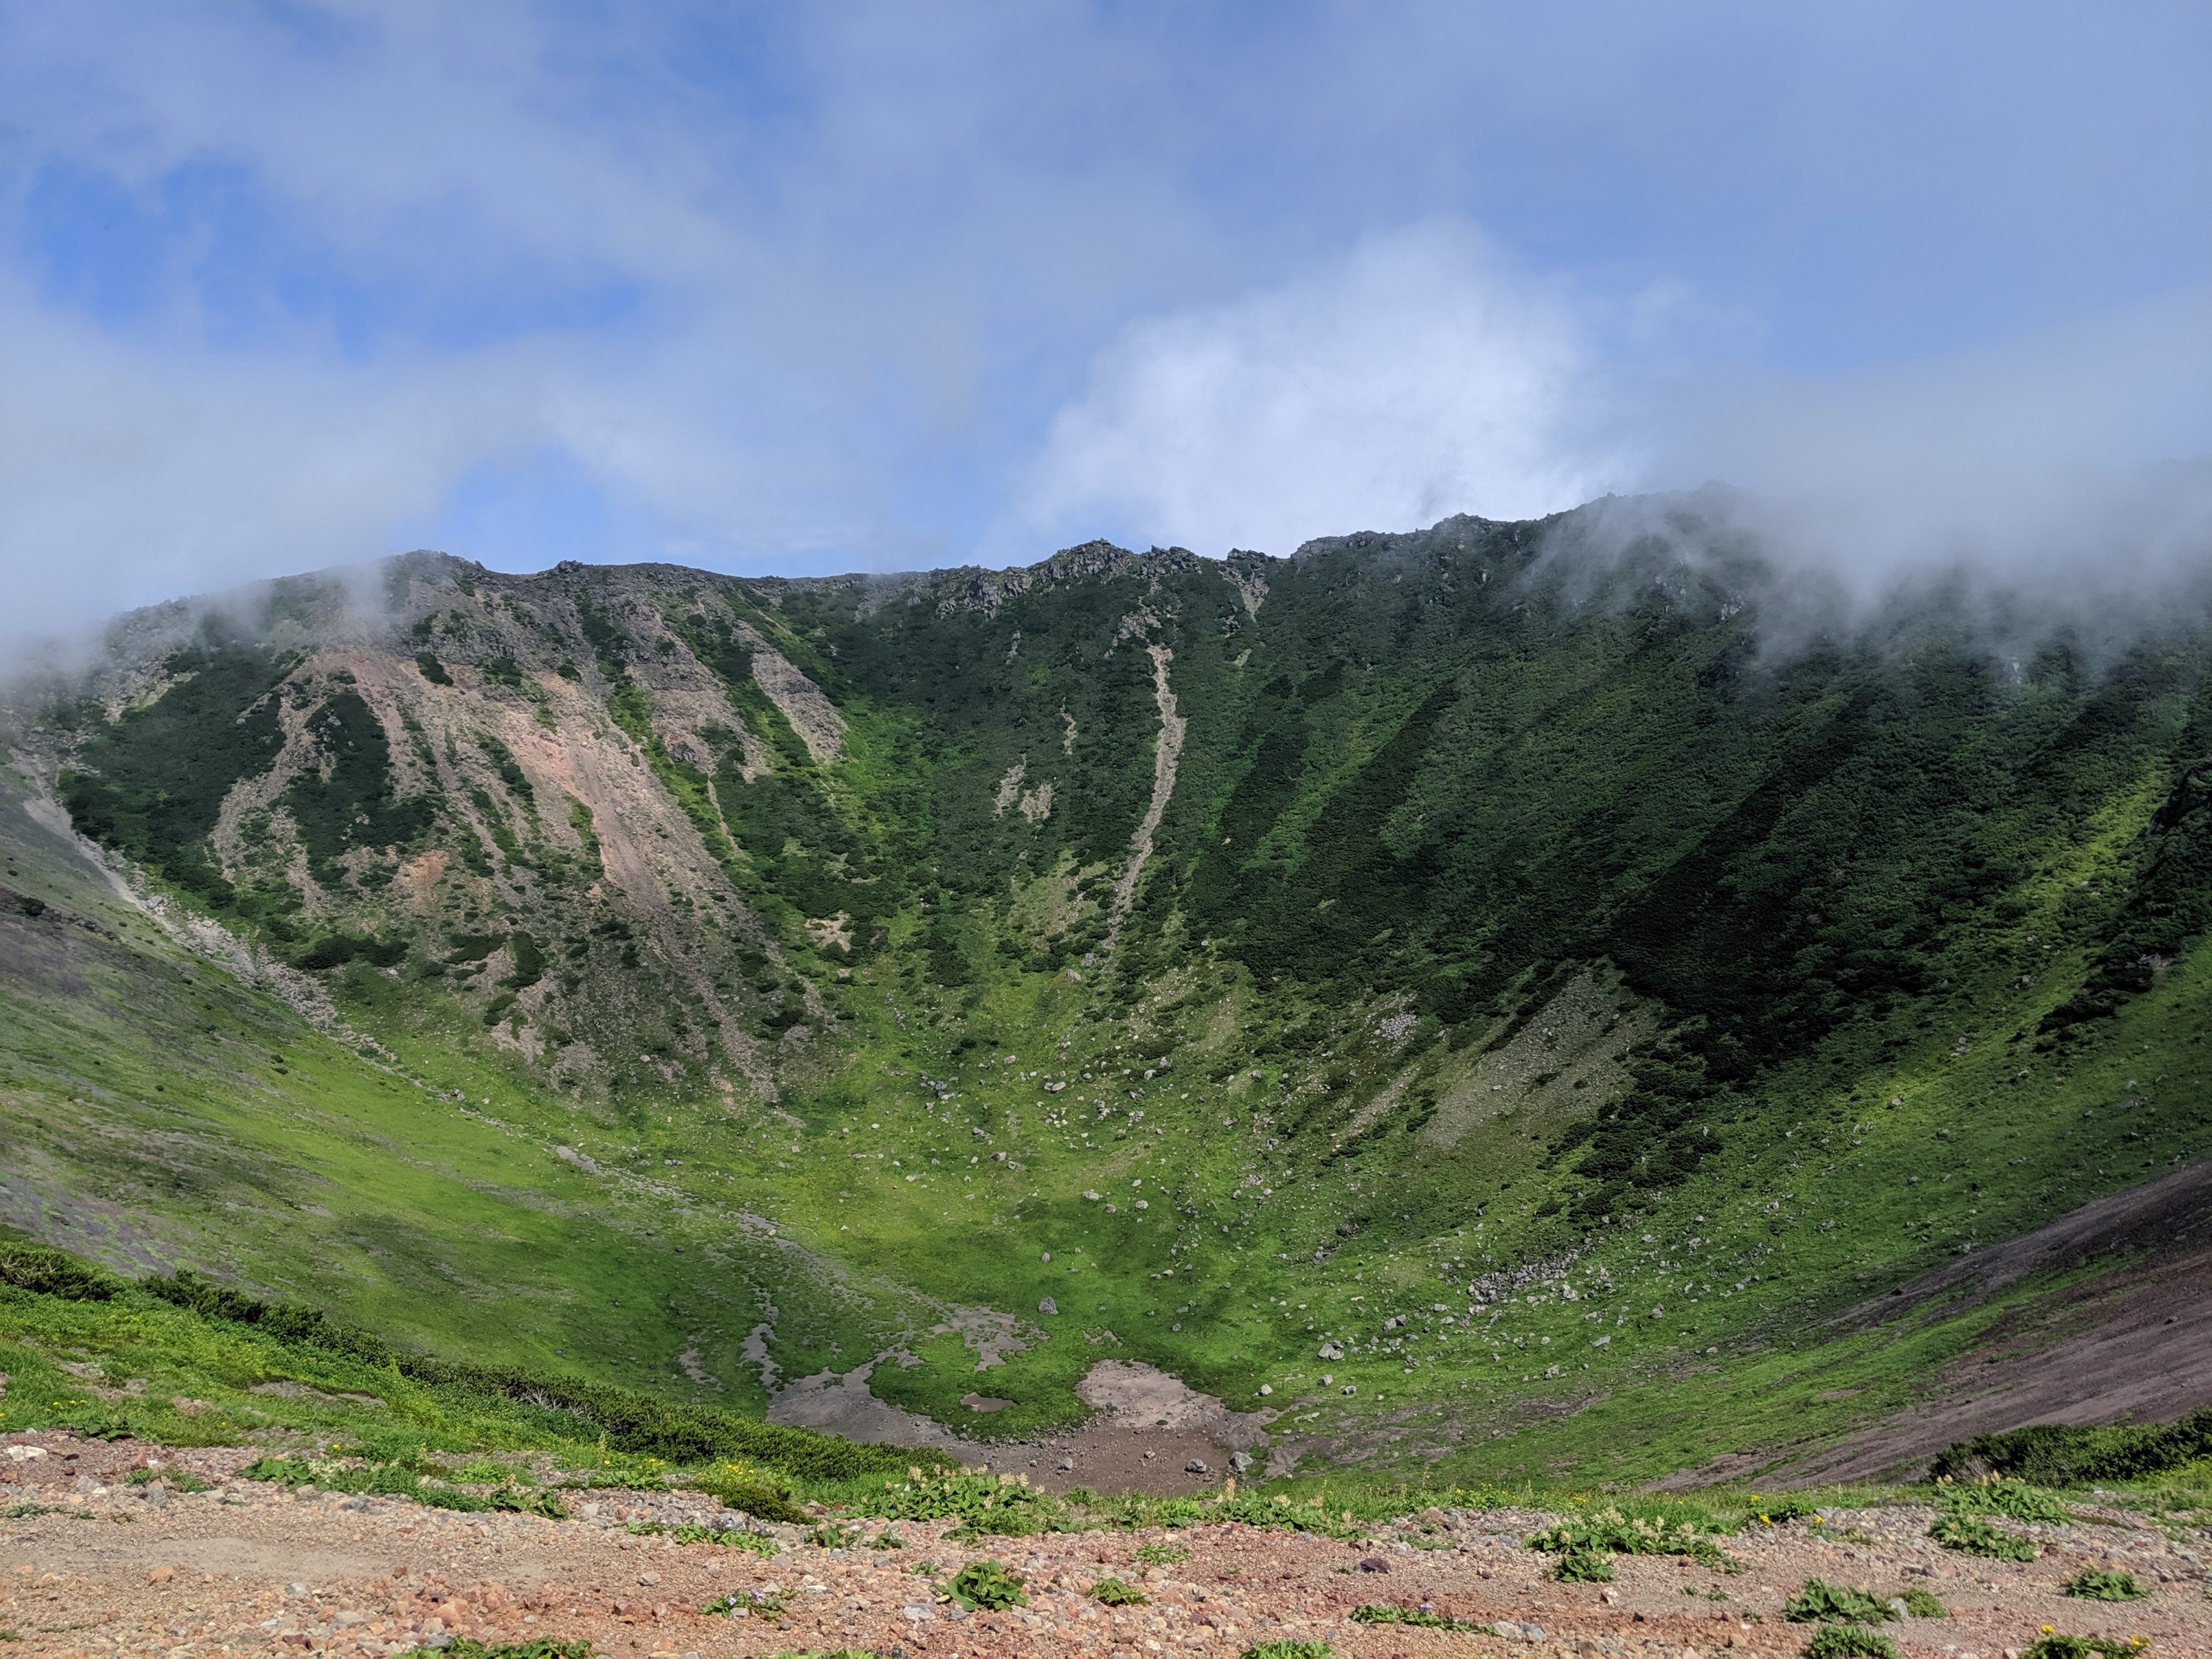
(1419, 376)
(2072, 457)
(130, 472)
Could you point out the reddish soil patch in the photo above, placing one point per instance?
(90, 1565)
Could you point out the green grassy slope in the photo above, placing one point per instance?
(1544, 1007)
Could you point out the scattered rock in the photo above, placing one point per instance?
(1374, 1564)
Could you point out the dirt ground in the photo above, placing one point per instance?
(1146, 1428)
(91, 1565)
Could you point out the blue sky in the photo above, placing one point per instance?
(812, 288)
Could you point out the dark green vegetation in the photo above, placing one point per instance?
(2059, 1645)
(1822, 1603)
(988, 1585)
(2057, 1454)
(1489, 969)
(213, 1368)
(2106, 1587)
(1633, 1527)
(2020, 1500)
(1971, 1536)
(1849, 1642)
(1383, 1612)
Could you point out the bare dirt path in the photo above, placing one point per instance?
(91, 1566)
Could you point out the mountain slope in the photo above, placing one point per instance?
(1485, 969)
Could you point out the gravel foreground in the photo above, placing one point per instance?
(90, 1565)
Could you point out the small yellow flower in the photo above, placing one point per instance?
(2047, 1629)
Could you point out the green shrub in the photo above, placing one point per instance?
(748, 1491)
(984, 1505)
(1162, 1555)
(2059, 1645)
(45, 1271)
(1849, 1642)
(758, 1604)
(1582, 1567)
(175, 1480)
(2106, 1587)
(1971, 1536)
(1613, 1530)
(385, 1480)
(1112, 1592)
(988, 1586)
(2057, 1454)
(1381, 1613)
(1923, 1604)
(1820, 1602)
(2016, 1498)
(632, 1422)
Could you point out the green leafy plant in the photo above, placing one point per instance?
(2057, 1454)
(1849, 1642)
(756, 1604)
(1971, 1536)
(736, 1538)
(1288, 1651)
(1583, 1566)
(2106, 1587)
(987, 1586)
(2015, 1498)
(393, 1479)
(1923, 1604)
(1112, 1592)
(1781, 1508)
(489, 1472)
(2057, 1644)
(749, 1490)
(1381, 1612)
(1820, 1602)
(175, 1480)
(1162, 1555)
(985, 1505)
(1611, 1529)
(544, 1648)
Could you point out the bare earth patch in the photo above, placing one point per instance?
(93, 1565)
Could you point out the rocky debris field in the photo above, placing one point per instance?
(92, 1562)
